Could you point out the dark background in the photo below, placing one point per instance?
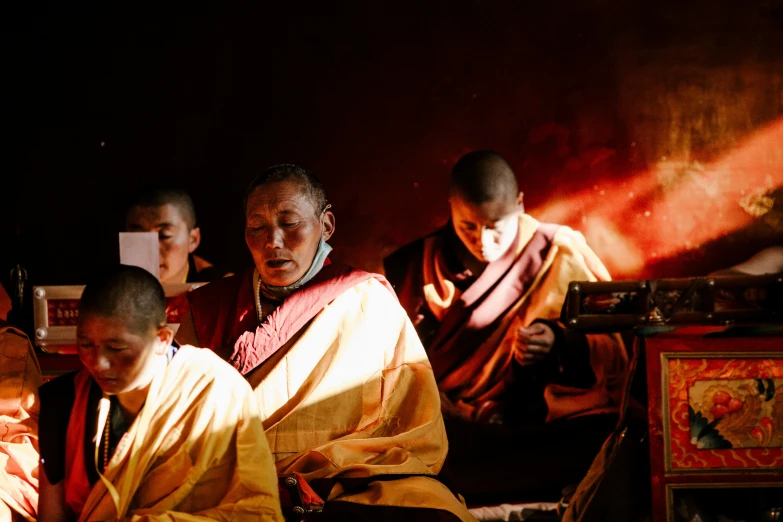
(653, 127)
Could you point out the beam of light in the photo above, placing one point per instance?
(676, 206)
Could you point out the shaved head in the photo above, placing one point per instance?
(125, 292)
(160, 195)
(484, 176)
(311, 186)
(485, 204)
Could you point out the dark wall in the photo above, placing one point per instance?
(654, 128)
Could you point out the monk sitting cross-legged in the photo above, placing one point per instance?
(147, 431)
(527, 405)
(347, 395)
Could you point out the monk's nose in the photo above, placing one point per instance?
(94, 360)
(487, 236)
(274, 238)
(101, 362)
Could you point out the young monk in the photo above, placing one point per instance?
(147, 431)
(485, 293)
(20, 377)
(170, 213)
(343, 384)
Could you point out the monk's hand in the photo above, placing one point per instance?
(533, 343)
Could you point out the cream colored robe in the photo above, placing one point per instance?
(196, 451)
(354, 396)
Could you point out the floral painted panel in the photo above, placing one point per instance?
(736, 413)
(725, 413)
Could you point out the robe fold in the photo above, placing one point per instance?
(20, 377)
(469, 325)
(194, 452)
(342, 383)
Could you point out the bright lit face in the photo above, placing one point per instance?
(283, 230)
(486, 229)
(175, 238)
(121, 360)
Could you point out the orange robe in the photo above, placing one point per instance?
(20, 377)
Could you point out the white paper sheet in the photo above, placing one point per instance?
(141, 249)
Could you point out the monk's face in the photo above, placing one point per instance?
(282, 230)
(118, 357)
(175, 238)
(486, 229)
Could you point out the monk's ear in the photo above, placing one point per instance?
(164, 337)
(520, 201)
(194, 240)
(328, 224)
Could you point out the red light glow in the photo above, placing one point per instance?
(675, 207)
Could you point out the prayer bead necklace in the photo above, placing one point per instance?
(259, 313)
(106, 431)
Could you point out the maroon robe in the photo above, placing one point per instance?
(469, 325)
(495, 408)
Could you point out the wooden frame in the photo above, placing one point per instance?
(616, 305)
(671, 488)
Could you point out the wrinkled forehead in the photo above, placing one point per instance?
(280, 197)
(489, 212)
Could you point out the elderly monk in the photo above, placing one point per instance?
(20, 377)
(347, 395)
(169, 212)
(147, 431)
(485, 293)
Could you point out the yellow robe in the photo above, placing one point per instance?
(196, 451)
(20, 377)
(353, 395)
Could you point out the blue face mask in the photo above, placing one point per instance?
(278, 293)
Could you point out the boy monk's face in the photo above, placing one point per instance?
(119, 357)
(175, 238)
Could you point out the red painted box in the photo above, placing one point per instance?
(715, 410)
